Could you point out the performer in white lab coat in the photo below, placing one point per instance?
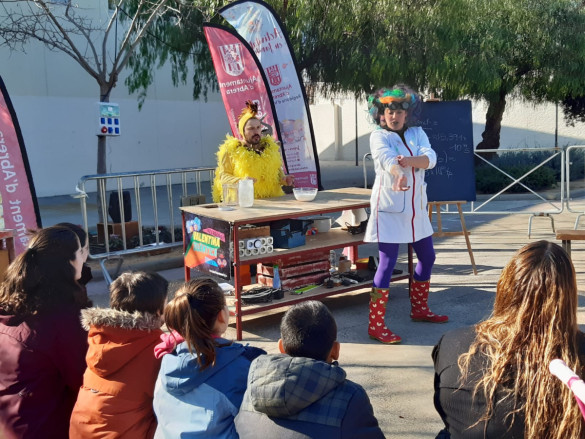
(401, 153)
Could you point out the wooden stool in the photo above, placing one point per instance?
(568, 235)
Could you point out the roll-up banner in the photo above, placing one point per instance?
(240, 77)
(19, 210)
(258, 24)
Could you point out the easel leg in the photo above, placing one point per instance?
(466, 234)
(439, 220)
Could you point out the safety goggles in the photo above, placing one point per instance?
(398, 105)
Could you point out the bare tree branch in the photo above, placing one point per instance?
(128, 49)
(68, 29)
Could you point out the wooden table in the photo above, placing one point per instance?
(287, 207)
(568, 235)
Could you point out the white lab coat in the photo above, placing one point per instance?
(396, 216)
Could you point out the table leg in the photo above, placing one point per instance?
(237, 283)
(238, 292)
(567, 247)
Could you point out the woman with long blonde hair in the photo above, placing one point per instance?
(492, 380)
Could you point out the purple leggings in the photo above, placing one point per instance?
(425, 253)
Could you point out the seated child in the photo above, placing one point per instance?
(303, 392)
(115, 400)
(202, 381)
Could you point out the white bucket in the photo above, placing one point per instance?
(321, 223)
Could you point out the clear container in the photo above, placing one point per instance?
(230, 196)
(246, 192)
(332, 261)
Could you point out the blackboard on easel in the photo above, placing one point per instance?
(449, 128)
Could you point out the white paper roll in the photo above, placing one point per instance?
(262, 250)
(269, 240)
(247, 252)
(242, 252)
(250, 244)
(263, 241)
(269, 249)
(255, 251)
(257, 243)
(242, 243)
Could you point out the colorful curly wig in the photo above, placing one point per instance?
(400, 95)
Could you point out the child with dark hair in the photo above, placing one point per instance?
(202, 381)
(118, 386)
(42, 343)
(303, 392)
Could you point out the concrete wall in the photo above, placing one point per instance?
(56, 104)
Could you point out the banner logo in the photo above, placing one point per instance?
(273, 74)
(231, 59)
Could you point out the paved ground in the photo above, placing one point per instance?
(399, 378)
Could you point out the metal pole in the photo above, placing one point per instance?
(356, 133)
(556, 125)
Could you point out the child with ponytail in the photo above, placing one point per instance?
(201, 383)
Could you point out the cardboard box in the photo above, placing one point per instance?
(253, 232)
(296, 259)
(131, 228)
(295, 282)
(294, 270)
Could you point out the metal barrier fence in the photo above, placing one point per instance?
(575, 164)
(155, 195)
(554, 202)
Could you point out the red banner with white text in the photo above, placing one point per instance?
(18, 205)
(240, 77)
(257, 23)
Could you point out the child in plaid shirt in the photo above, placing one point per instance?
(303, 391)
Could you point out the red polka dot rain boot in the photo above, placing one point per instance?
(376, 328)
(419, 308)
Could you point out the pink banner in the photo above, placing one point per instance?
(239, 76)
(19, 210)
(257, 23)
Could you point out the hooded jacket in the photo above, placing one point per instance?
(297, 397)
(115, 400)
(191, 403)
(42, 359)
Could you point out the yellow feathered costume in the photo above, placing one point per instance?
(236, 162)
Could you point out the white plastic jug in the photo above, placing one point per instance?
(246, 192)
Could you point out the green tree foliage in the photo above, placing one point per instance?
(486, 50)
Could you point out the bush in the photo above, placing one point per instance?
(491, 180)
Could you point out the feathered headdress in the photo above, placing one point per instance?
(249, 112)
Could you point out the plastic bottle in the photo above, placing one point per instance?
(275, 278)
(332, 261)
